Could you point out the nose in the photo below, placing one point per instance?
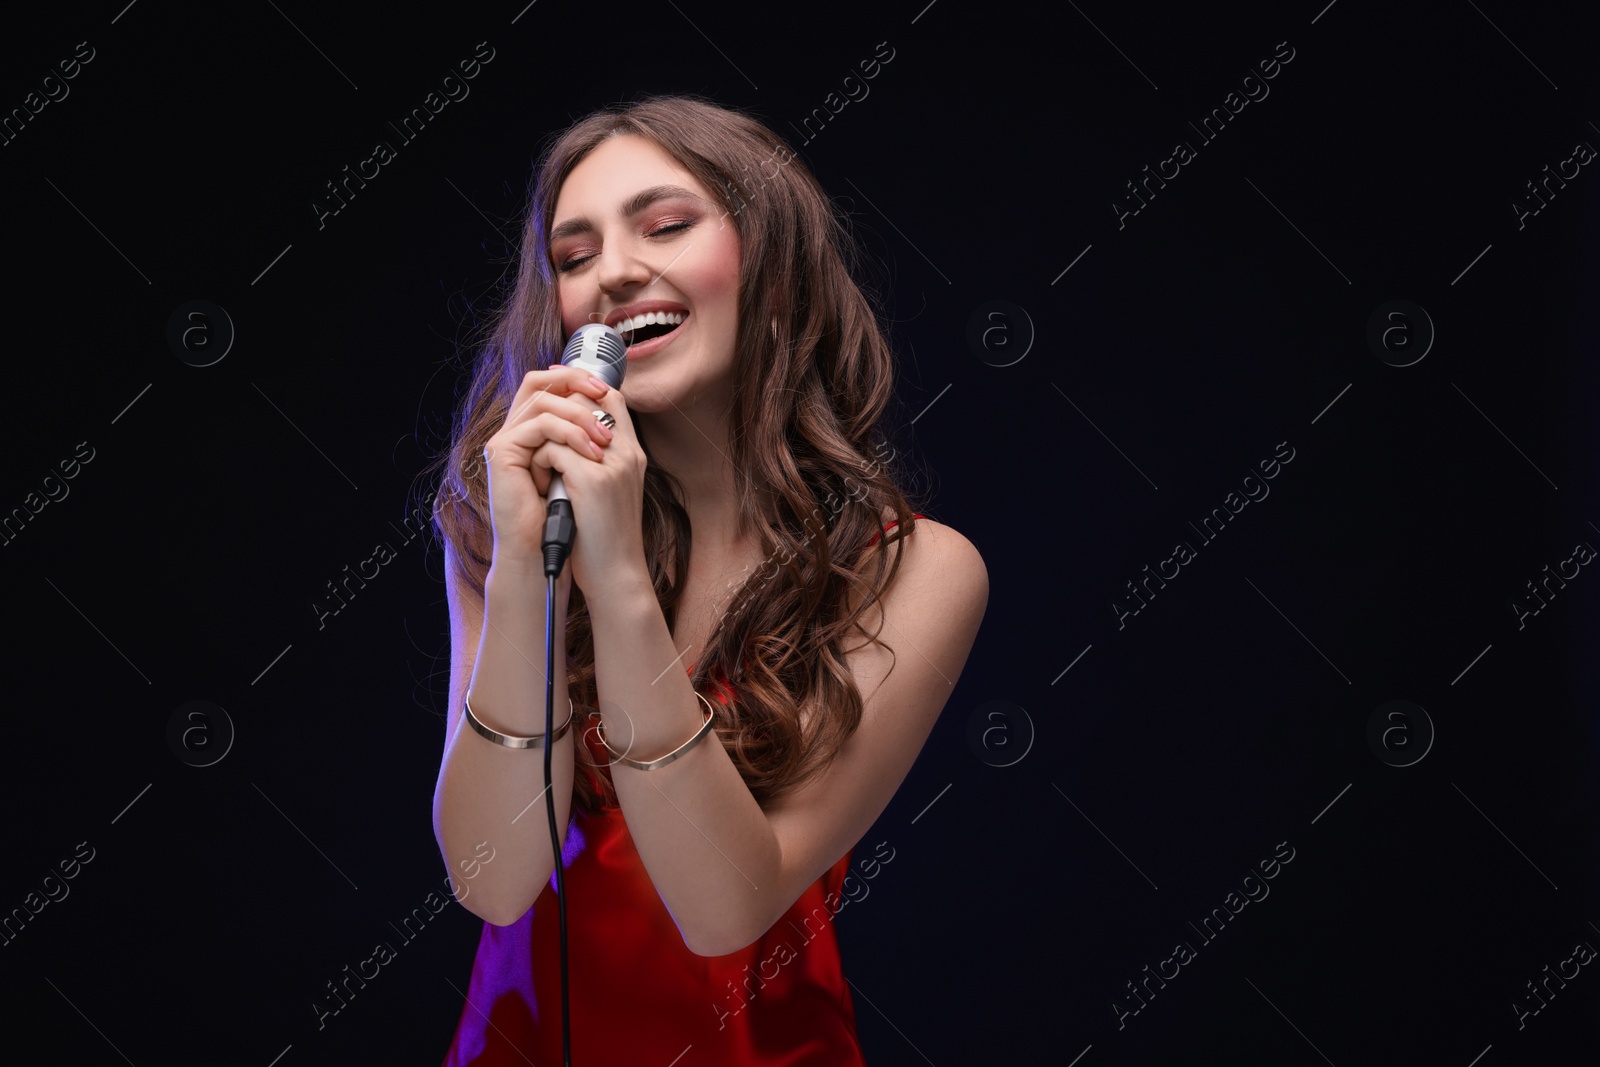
(619, 265)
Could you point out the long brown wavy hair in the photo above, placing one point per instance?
(815, 473)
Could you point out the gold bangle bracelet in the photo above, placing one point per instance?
(507, 740)
(650, 765)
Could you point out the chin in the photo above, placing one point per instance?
(647, 405)
(648, 399)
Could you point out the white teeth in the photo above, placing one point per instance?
(650, 318)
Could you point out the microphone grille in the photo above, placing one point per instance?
(600, 350)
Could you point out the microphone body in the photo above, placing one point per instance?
(600, 350)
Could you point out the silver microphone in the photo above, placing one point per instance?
(600, 350)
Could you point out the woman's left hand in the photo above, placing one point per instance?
(608, 503)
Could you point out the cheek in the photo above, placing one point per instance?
(711, 293)
(715, 276)
(570, 320)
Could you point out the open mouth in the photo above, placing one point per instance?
(650, 326)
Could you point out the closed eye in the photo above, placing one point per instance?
(676, 227)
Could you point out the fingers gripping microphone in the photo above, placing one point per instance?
(600, 350)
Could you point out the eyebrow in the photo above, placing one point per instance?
(635, 204)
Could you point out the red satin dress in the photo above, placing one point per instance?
(639, 995)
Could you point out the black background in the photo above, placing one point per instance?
(1229, 315)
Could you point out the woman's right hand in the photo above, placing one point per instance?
(551, 407)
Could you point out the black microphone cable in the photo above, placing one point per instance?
(601, 351)
(558, 530)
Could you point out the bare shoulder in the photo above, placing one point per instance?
(933, 551)
(925, 625)
(941, 554)
(940, 572)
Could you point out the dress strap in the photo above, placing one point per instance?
(892, 522)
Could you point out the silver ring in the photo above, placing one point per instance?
(606, 419)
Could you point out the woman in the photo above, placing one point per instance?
(731, 541)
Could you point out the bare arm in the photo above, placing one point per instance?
(700, 833)
(487, 792)
(725, 868)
